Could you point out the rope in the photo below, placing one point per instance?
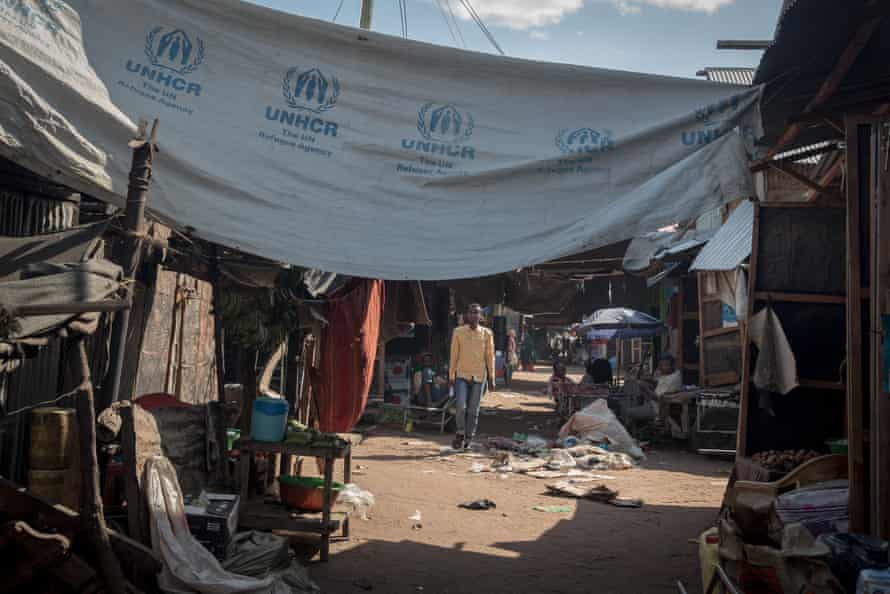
(336, 14)
(46, 402)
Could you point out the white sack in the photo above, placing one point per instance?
(355, 152)
(597, 422)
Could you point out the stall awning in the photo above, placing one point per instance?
(731, 245)
(357, 153)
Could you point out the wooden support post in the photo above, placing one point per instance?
(131, 478)
(134, 223)
(855, 411)
(218, 338)
(880, 426)
(745, 396)
(92, 513)
(326, 509)
(702, 378)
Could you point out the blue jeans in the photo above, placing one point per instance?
(468, 396)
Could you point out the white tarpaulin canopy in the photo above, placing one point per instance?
(359, 153)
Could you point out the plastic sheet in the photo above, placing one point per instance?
(188, 566)
(361, 501)
(597, 423)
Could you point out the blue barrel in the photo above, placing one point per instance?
(269, 419)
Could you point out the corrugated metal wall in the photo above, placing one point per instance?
(30, 206)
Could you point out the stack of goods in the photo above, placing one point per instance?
(301, 435)
(784, 461)
(212, 520)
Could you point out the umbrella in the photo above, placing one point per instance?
(619, 322)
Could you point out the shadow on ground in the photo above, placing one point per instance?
(600, 549)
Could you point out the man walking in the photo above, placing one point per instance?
(471, 368)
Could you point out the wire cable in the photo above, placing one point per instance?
(475, 16)
(460, 33)
(447, 22)
(336, 14)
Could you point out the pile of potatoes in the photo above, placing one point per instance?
(784, 461)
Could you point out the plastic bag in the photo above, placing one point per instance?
(360, 500)
(256, 553)
(873, 581)
(597, 423)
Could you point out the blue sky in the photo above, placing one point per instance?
(671, 37)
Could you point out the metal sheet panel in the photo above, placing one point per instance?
(731, 245)
(730, 76)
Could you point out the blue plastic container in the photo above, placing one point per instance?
(269, 419)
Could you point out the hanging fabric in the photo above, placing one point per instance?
(348, 346)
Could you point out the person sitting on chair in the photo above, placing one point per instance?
(428, 385)
(666, 379)
(599, 372)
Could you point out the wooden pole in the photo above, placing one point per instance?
(134, 223)
(367, 10)
(92, 513)
(855, 399)
(218, 339)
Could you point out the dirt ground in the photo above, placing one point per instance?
(594, 548)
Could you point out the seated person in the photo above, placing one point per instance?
(599, 372)
(559, 380)
(667, 379)
(429, 387)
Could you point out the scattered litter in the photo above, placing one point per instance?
(481, 504)
(417, 520)
(360, 500)
(415, 444)
(573, 473)
(553, 509)
(428, 471)
(447, 451)
(560, 460)
(600, 493)
(477, 468)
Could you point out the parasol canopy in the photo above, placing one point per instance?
(619, 322)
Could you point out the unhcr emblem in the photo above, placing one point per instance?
(444, 123)
(174, 50)
(584, 141)
(310, 90)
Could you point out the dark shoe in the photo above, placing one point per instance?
(467, 443)
(458, 443)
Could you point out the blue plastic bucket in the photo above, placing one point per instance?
(269, 419)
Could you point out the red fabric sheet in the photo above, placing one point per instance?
(348, 349)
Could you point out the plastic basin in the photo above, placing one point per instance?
(306, 493)
(837, 446)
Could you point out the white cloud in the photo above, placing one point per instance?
(635, 6)
(520, 14)
(539, 35)
(527, 14)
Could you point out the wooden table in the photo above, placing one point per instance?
(270, 517)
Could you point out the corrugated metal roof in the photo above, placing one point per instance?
(731, 244)
(729, 76)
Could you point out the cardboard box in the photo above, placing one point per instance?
(214, 525)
